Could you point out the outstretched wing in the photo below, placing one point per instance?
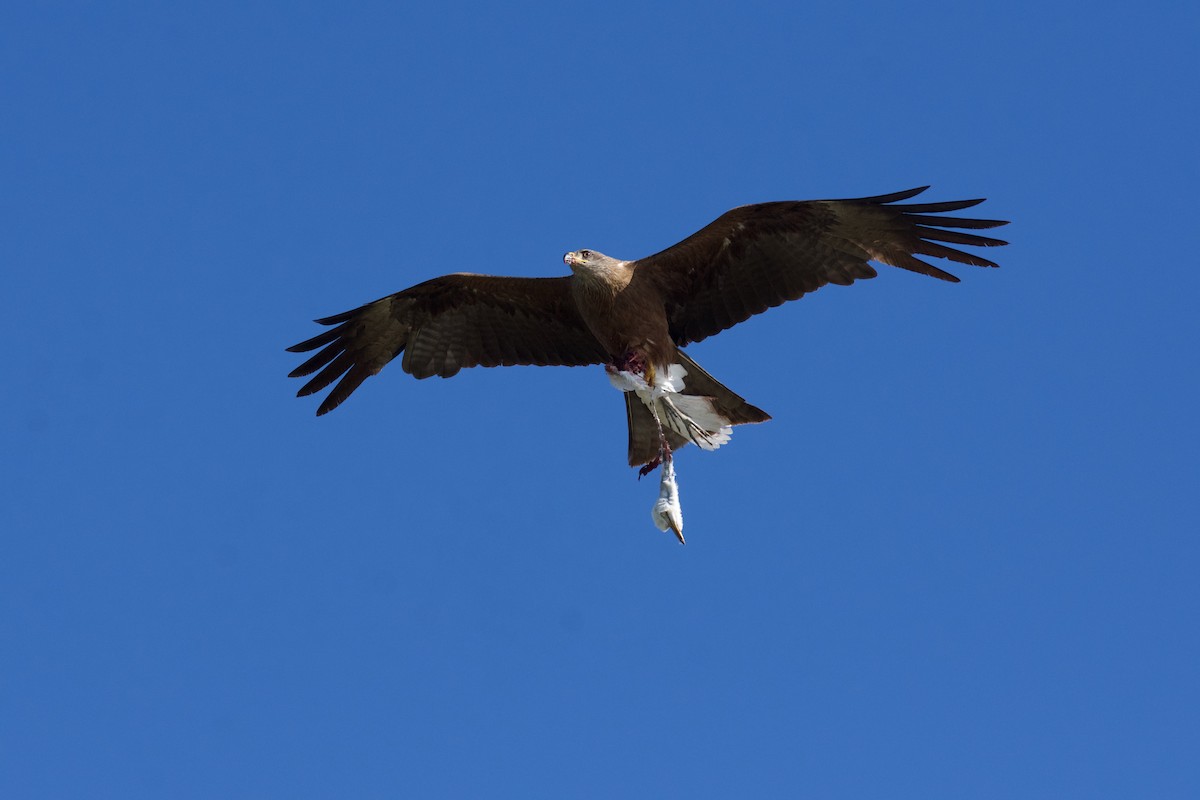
(755, 257)
(446, 324)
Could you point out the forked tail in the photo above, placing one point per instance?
(702, 412)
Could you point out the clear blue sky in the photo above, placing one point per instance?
(961, 561)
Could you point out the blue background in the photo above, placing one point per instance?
(960, 562)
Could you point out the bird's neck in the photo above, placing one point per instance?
(597, 289)
(611, 278)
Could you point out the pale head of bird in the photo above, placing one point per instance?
(594, 264)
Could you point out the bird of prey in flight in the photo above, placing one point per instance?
(634, 317)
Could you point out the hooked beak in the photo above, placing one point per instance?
(571, 259)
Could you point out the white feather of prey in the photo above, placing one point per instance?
(668, 512)
(691, 416)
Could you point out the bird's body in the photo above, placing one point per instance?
(624, 308)
(636, 316)
(604, 290)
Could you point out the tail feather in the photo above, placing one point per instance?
(729, 403)
(686, 419)
(695, 419)
(643, 433)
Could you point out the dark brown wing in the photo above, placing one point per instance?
(446, 324)
(755, 257)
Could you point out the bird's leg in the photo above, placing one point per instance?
(664, 446)
(665, 454)
(635, 363)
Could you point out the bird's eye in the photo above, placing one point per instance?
(585, 254)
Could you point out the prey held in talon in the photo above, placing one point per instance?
(635, 317)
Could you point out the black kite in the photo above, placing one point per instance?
(634, 316)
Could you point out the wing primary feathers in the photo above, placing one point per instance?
(343, 317)
(950, 254)
(316, 362)
(914, 264)
(320, 340)
(955, 222)
(930, 208)
(328, 375)
(959, 238)
(880, 199)
(346, 385)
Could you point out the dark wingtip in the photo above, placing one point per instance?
(894, 197)
(329, 404)
(338, 318)
(945, 205)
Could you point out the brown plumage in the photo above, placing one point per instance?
(634, 315)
